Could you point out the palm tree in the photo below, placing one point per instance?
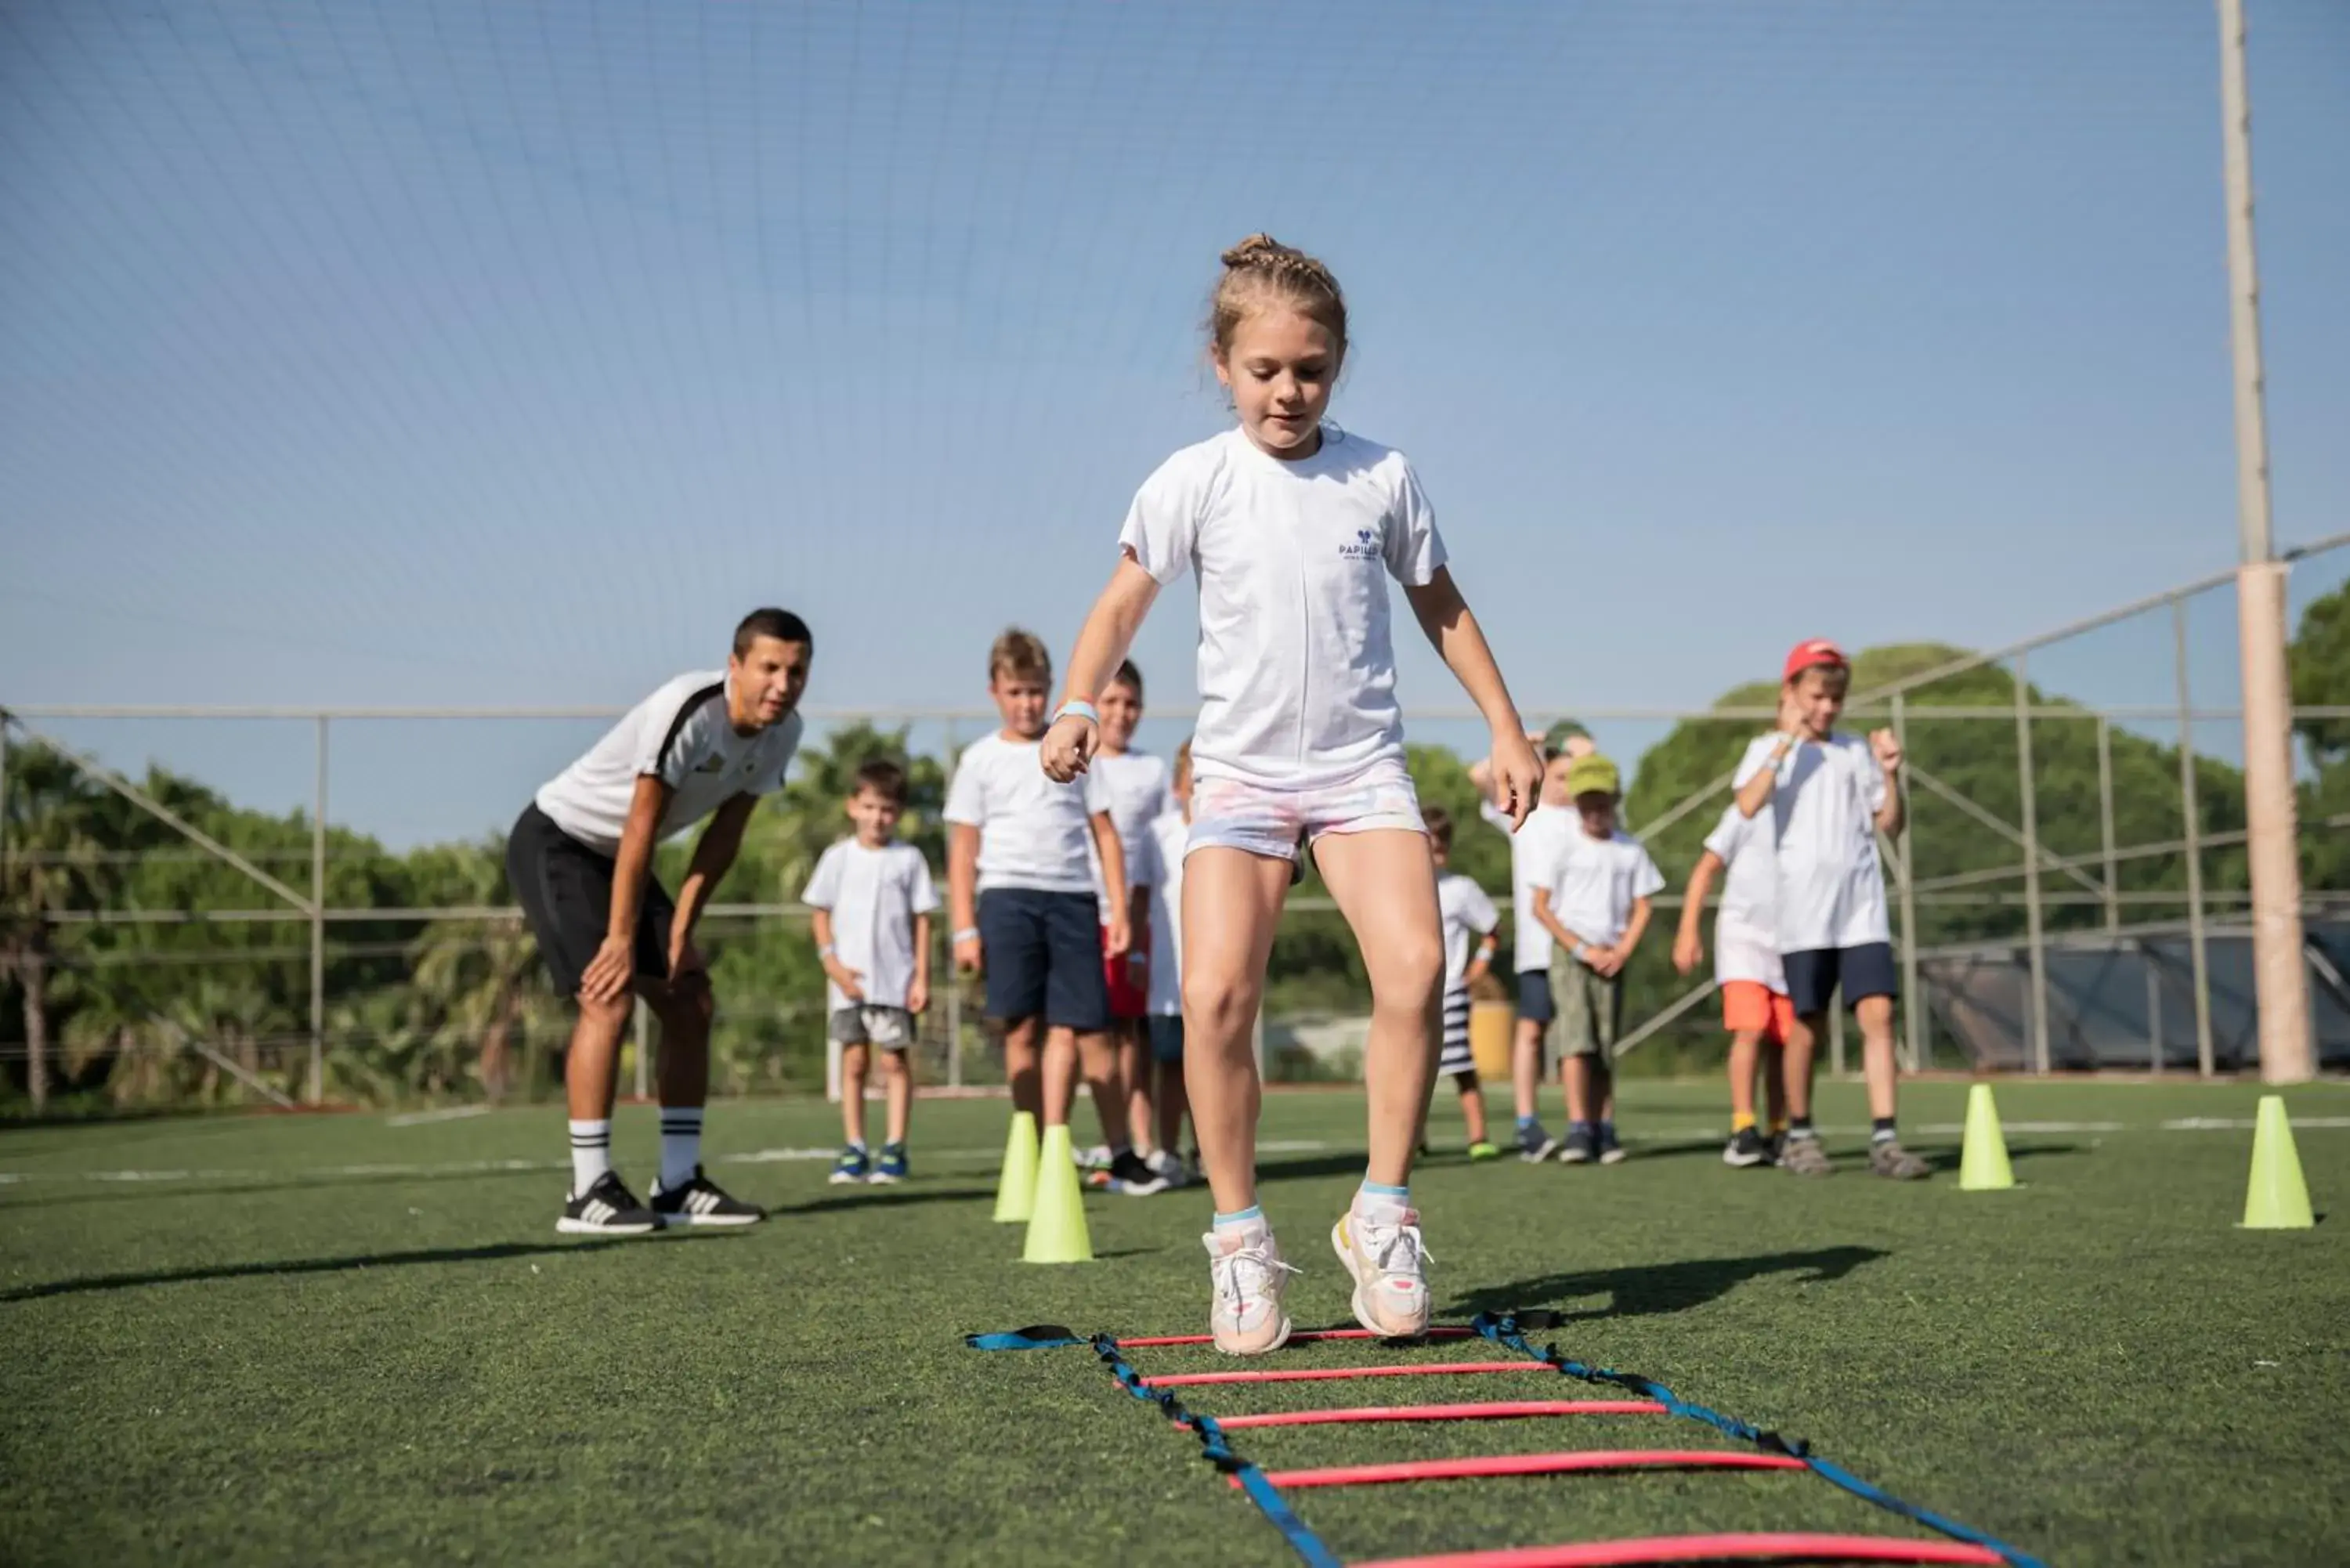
(476, 977)
(55, 861)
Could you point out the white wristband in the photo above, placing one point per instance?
(825, 950)
(968, 934)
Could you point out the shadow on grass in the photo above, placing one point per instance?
(887, 1198)
(1647, 1290)
(1949, 1159)
(27, 1196)
(495, 1253)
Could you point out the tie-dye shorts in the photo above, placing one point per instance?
(1233, 813)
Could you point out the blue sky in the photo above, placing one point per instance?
(469, 352)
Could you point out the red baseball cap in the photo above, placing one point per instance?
(1812, 651)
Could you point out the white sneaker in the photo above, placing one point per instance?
(1094, 1158)
(1166, 1167)
(1246, 1278)
(1380, 1245)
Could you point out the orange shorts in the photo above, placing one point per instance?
(1749, 1004)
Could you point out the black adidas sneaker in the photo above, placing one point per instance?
(702, 1201)
(605, 1209)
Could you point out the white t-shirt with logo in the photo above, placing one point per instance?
(1137, 794)
(1296, 665)
(1032, 833)
(1831, 888)
(1467, 914)
(873, 895)
(1167, 835)
(1534, 847)
(683, 735)
(1593, 882)
(1746, 922)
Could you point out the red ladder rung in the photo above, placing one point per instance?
(1748, 1547)
(1571, 1462)
(1498, 1410)
(1324, 1374)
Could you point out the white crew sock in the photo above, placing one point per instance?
(681, 1145)
(592, 1154)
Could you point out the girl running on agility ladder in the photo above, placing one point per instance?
(1292, 526)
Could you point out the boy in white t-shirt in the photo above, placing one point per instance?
(1753, 983)
(871, 898)
(1595, 904)
(1021, 886)
(1532, 849)
(1469, 920)
(1138, 796)
(1830, 795)
(1168, 834)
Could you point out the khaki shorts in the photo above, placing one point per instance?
(1590, 1005)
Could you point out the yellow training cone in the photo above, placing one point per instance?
(1984, 1167)
(1056, 1230)
(2278, 1199)
(1015, 1190)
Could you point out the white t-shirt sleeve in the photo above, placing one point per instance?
(1099, 797)
(967, 796)
(1727, 835)
(1414, 548)
(668, 754)
(1163, 524)
(1757, 758)
(1646, 881)
(823, 889)
(924, 897)
(1482, 918)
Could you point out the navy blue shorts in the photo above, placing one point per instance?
(1534, 996)
(1167, 1037)
(1041, 954)
(1815, 975)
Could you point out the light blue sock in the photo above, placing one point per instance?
(1384, 1194)
(1251, 1215)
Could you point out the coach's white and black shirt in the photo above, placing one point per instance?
(681, 732)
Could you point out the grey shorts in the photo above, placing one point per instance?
(1590, 1006)
(891, 1028)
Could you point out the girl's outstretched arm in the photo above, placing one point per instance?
(1445, 617)
(1108, 632)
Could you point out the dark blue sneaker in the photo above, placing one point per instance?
(892, 1166)
(1610, 1151)
(1581, 1148)
(1534, 1145)
(853, 1165)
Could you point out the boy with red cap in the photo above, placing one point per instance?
(1830, 795)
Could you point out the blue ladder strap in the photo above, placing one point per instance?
(1037, 1336)
(1219, 1453)
(1503, 1329)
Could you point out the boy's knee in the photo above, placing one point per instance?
(687, 1003)
(611, 1014)
(893, 1063)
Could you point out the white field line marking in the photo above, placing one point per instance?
(2245, 1123)
(447, 1114)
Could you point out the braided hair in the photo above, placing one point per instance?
(1262, 267)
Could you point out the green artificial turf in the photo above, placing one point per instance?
(313, 1339)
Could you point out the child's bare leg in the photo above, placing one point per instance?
(1231, 901)
(1803, 1043)
(1774, 1084)
(853, 1059)
(1060, 1076)
(1525, 1068)
(1878, 1066)
(1134, 1072)
(1603, 1083)
(1023, 1065)
(1097, 1053)
(1384, 884)
(1745, 1052)
(898, 1077)
(1579, 1070)
(1473, 1105)
(1172, 1103)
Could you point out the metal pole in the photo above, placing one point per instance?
(2281, 978)
(317, 1092)
(1912, 1004)
(1836, 1038)
(2034, 933)
(2153, 1007)
(644, 1047)
(955, 981)
(2106, 822)
(6, 864)
(2193, 835)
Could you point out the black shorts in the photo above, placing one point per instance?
(1814, 976)
(1042, 952)
(1167, 1038)
(565, 890)
(1536, 1002)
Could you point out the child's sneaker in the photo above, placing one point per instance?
(606, 1208)
(1610, 1151)
(892, 1166)
(1094, 1158)
(1245, 1280)
(853, 1165)
(1888, 1157)
(1746, 1150)
(1131, 1174)
(698, 1200)
(1380, 1245)
(1534, 1145)
(1482, 1150)
(1805, 1156)
(1582, 1147)
(1167, 1167)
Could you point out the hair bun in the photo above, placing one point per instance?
(1254, 248)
